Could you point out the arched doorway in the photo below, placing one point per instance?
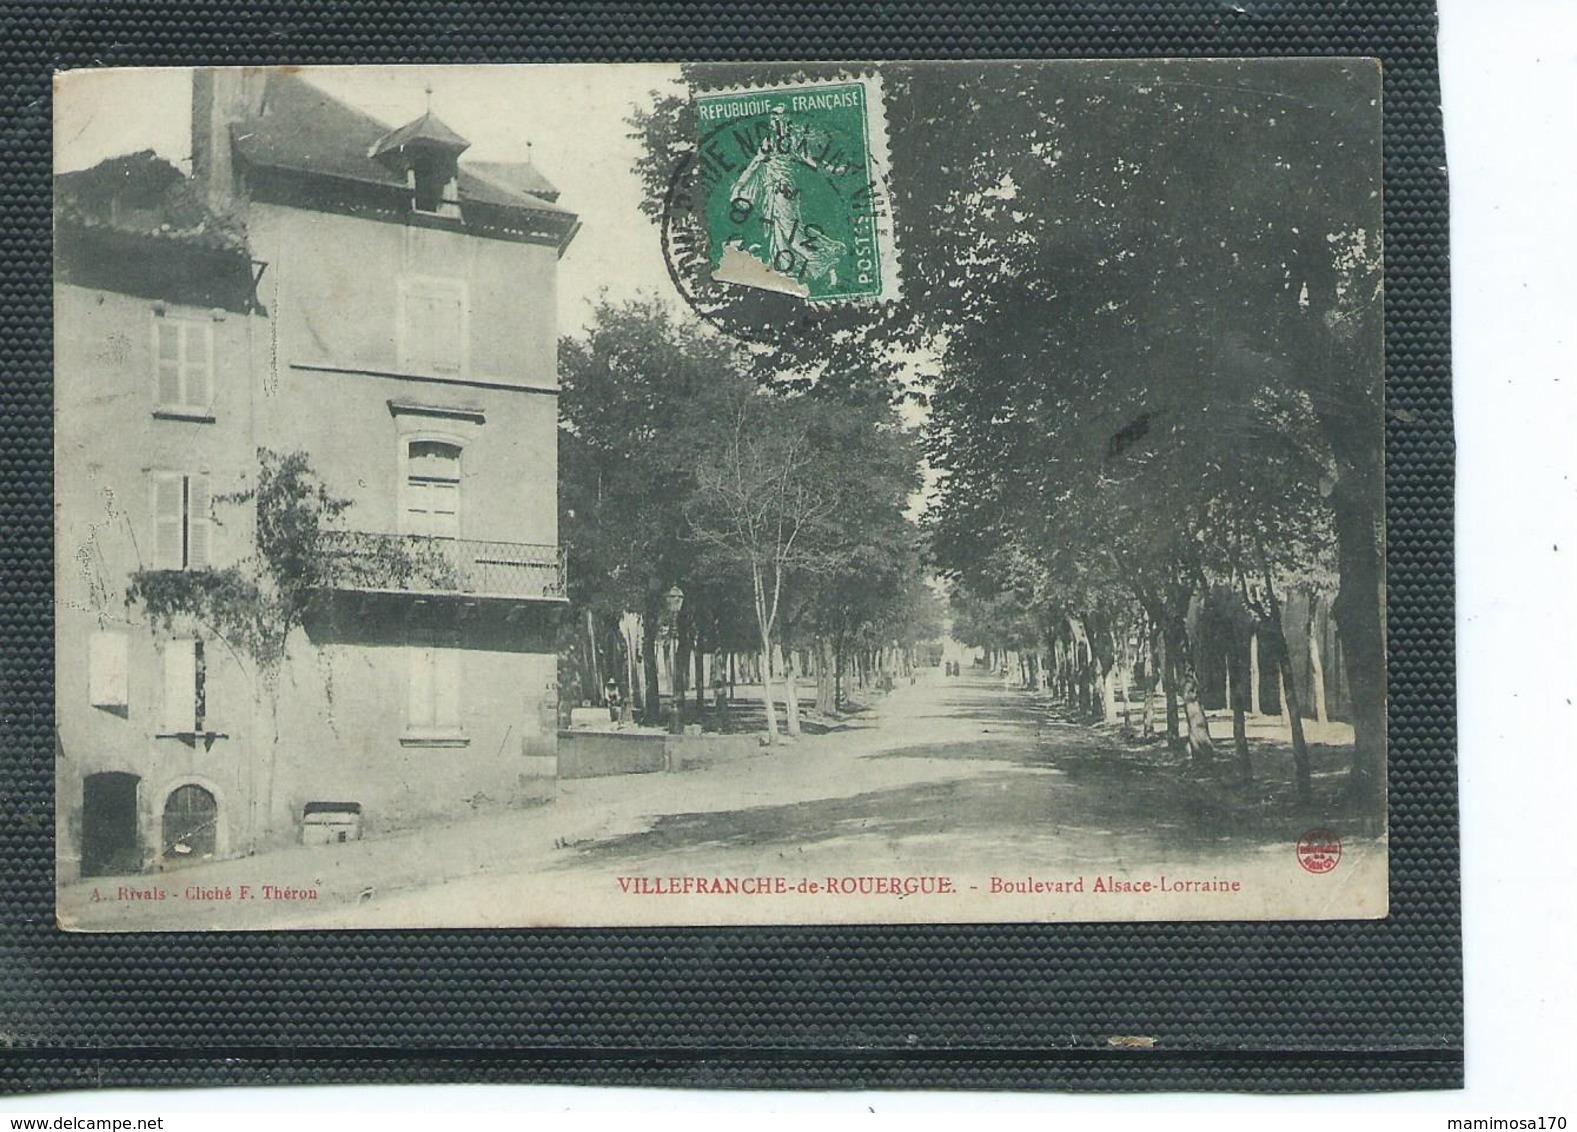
(110, 844)
(191, 823)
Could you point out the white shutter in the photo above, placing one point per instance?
(180, 685)
(107, 670)
(169, 504)
(199, 532)
(167, 360)
(197, 367)
(446, 688)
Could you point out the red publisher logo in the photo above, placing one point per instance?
(1319, 850)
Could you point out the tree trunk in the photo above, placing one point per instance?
(1180, 655)
(1150, 675)
(1253, 672)
(1300, 748)
(826, 678)
(791, 689)
(634, 673)
(683, 650)
(1281, 657)
(595, 688)
(837, 675)
(1317, 670)
(1201, 750)
(766, 695)
(1237, 696)
(1125, 683)
(1174, 736)
(651, 695)
(700, 683)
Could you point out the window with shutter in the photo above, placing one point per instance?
(183, 364)
(182, 522)
(432, 489)
(433, 715)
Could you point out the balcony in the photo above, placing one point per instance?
(423, 564)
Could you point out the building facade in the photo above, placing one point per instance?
(361, 301)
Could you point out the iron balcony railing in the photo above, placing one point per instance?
(358, 560)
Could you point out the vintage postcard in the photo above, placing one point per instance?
(729, 494)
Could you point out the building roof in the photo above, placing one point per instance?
(143, 195)
(427, 130)
(304, 130)
(515, 176)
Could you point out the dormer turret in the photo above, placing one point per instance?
(427, 153)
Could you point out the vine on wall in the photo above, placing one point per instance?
(254, 605)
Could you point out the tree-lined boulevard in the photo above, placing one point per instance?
(1142, 331)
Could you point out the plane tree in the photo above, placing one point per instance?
(1139, 254)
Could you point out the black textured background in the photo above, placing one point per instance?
(1373, 1005)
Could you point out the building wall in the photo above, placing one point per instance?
(108, 445)
(317, 372)
(346, 735)
(333, 293)
(333, 288)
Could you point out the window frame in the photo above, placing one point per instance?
(406, 440)
(184, 407)
(433, 663)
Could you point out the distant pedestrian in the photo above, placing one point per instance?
(615, 698)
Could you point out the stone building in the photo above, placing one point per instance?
(362, 296)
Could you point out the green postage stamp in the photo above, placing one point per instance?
(794, 197)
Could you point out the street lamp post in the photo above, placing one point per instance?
(674, 599)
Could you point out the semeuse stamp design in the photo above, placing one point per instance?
(792, 199)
